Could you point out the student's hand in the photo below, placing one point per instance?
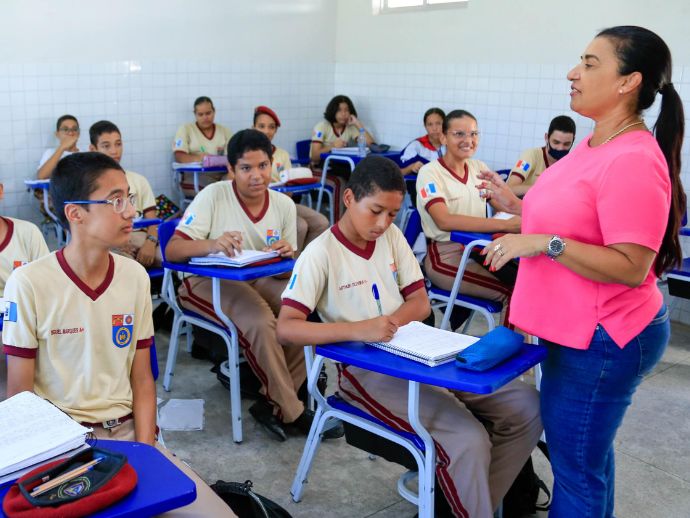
(494, 188)
(147, 253)
(230, 243)
(512, 246)
(283, 247)
(415, 167)
(339, 143)
(68, 141)
(513, 225)
(379, 329)
(354, 120)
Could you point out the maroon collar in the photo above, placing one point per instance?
(335, 131)
(453, 173)
(213, 133)
(8, 236)
(546, 159)
(251, 217)
(92, 294)
(425, 141)
(365, 253)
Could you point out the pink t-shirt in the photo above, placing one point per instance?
(617, 192)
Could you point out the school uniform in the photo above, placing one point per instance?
(252, 305)
(325, 133)
(530, 165)
(437, 183)
(190, 139)
(139, 185)
(84, 341)
(419, 150)
(474, 468)
(23, 243)
(310, 223)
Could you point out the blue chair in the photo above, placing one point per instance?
(440, 297)
(326, 189)
(303, 148)
(504, 174)
(189, 318)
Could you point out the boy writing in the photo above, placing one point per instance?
(334, 276)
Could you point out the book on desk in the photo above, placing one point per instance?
(244, 258)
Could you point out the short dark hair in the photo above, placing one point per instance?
(432, 111)
(562, 123)
(64, 118)
(75, 178)
(98, 128)
(203, 99)
(334, 104)
(456, 114)
(375, 173)
(248, 140)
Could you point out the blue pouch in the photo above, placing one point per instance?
(493, 348)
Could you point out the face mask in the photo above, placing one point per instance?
(557, 154)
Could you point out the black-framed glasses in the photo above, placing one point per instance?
(69, 130)
(119, 204)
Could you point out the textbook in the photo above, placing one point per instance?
(354, 151)
(426, 344)
(33, 430)
(244, 258)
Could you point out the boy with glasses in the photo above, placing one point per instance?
(67, 133)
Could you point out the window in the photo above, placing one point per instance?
(383, 6)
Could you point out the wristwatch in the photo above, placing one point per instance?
(555, 247)
(151, 238)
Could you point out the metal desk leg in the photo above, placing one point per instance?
(426, 478)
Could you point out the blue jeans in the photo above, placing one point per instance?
(584, 396)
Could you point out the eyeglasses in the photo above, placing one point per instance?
(119, 204)
(69, 130)
(462, 134)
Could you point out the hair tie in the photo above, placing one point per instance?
(667, 87)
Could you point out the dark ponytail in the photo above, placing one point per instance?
(641, 50)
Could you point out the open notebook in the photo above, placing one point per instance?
(33, 430)
(244, 258)
(426, 344)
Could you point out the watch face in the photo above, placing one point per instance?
(555, 246)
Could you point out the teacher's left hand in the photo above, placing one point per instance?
(512, 246)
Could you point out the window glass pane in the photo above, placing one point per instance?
(392, 4)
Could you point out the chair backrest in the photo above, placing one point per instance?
(413, 227)
(165, 232)
(504, 174)
(303, 147)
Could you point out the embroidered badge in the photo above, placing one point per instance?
(189, 218)
(10, 314)
(74, 487)
(428, 190)
(292, 281)
(178, 142)
(17, 264)
(522, 165)
(318, 134)
(272, 236)
(123, 326)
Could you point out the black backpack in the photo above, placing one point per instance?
(245, 503)
(523, 496)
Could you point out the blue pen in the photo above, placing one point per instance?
(375, 291)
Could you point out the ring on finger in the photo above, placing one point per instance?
(501, 253)
(498, 247)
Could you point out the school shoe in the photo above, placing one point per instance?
(303, 423)
(262, 411)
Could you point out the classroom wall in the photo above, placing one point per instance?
(142, 64)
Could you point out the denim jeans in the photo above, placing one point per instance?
(584, 396)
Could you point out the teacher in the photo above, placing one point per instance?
(599, 228)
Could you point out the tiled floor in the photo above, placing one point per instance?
(653, 449)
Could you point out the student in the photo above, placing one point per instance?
(78, 327)
(310, 223)
(143, 244)
(198, 139)
(448, 200)
(475, 467)
(532, 162)
(339, 129)
(20, 243)
(67, 133)
(227, 217)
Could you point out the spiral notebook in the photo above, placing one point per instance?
(426, 344)
(244, 258)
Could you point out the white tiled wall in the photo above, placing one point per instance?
(148, 100)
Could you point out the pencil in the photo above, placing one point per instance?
(73, 473)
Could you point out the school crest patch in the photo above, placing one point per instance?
(123, 327)
(17, 264)
(178, 143)
(428, 190)
(272, 236)
(522, 165)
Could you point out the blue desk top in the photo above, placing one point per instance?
(143, 223)
(246, 273)
(161, 486)
(38, 184)
(468, 237)
(201, 169)
(359, 354)
(291, 189)
(393, 155)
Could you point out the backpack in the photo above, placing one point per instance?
(245, 503)
(523, 496)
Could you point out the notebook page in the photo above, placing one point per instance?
(243, 258)
(430, 342)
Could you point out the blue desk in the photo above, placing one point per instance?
(468, 237)
(143, 222)
(161, 485)
(196, 170)
(246, 273)
(393, 155)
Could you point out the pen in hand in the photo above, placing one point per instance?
(377, 298)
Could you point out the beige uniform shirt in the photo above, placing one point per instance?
(531, 164)
(325, 133)
(140, 186)
(281, 162)
(190, 139)
(219, 209)
(83, 340)
(437, 183)
(335, 277)
(22, 244)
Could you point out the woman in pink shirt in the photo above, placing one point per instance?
(598, 229)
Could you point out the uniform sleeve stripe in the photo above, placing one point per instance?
(431, 202)
(411, 288)
(22, 352)
(297, 305)
(518, 174)
(145, 344)
(152, 207)
(182, 235)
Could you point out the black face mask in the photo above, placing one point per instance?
(557, 154)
